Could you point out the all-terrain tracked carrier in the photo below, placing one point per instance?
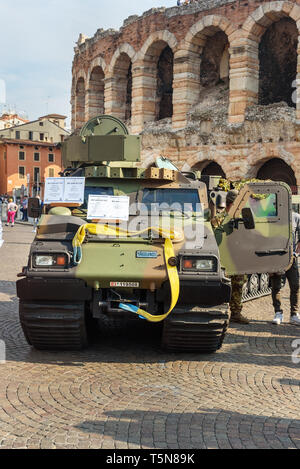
(257, 284)
(152, 254)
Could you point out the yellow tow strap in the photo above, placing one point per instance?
(169, 253)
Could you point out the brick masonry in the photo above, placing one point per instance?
(239, 144)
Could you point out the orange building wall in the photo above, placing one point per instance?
(9, 172)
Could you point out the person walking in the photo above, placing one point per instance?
(1, 233)
(237, 281)
(35, 220)
(292, 276)
(12, 209)
(25, 208)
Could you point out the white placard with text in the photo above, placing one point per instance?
(108, 207)
(64, 190)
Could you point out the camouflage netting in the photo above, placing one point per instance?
(226, 186)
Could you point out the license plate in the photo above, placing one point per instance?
(146, 254)
(125, 284)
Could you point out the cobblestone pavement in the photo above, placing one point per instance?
(125, 393)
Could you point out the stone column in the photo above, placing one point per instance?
(114, 96)
(73, 112)
(244, 77)
(80, 118)
(144, 84)
(87, 104)
(186, 84)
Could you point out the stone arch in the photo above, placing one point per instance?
(157, 56)
(209, 168)
(253, 31)
(207, 26)
(97, 62)
(277, 169)
(259, 21)
(157, 38)
(123, 49)
(207, 46)
(80, 94)
(208, 41)
(121, 84)
(80, 74)
(277, 64)
(145, 78)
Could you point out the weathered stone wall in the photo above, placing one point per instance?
(231, 61)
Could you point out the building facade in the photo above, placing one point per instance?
(44, 129)
(8, 120)
(213, 85)
(30, 153)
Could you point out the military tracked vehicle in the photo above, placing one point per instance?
(258, 284)
(141, 247)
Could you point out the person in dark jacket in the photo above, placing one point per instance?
(292, 276)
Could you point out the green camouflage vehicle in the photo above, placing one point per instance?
(258, 284)
(161, 263)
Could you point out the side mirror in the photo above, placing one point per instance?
(248, 218)
(34, 208)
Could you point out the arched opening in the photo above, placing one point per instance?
(122, 74)
(278, 63)
(165, 84)
(215, 60)
(80, 103)
(211, 61)
(277, 170)
(158, 62)
(210, 169)
(96, 92)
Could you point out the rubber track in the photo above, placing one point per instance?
(54, 325)
(196, 335)
(257, 295)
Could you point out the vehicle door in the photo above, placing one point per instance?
(267, 247)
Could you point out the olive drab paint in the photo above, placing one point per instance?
(114, 272)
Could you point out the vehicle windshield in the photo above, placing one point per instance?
(168, 200)
(95, 190)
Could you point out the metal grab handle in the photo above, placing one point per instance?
(272, 252)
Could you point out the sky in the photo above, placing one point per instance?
(38, 40)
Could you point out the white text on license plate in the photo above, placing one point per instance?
(125, 284)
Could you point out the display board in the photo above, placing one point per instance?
(64, 190)
(108, 207)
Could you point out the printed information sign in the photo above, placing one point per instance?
(64, 190)
(108, 207)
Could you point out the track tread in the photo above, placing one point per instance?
(196, 336)
(54, 325)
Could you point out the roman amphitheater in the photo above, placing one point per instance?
(211, 85)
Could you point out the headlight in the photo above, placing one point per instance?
(41, 261)
(55, 260)
(197, 264)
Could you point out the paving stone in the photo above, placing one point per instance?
(118, 395)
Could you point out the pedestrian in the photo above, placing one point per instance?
(179, 3)
(35, 220)
(237, 281)
(25, 208)
(292, 276)
(12, 209)
(1, 233)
